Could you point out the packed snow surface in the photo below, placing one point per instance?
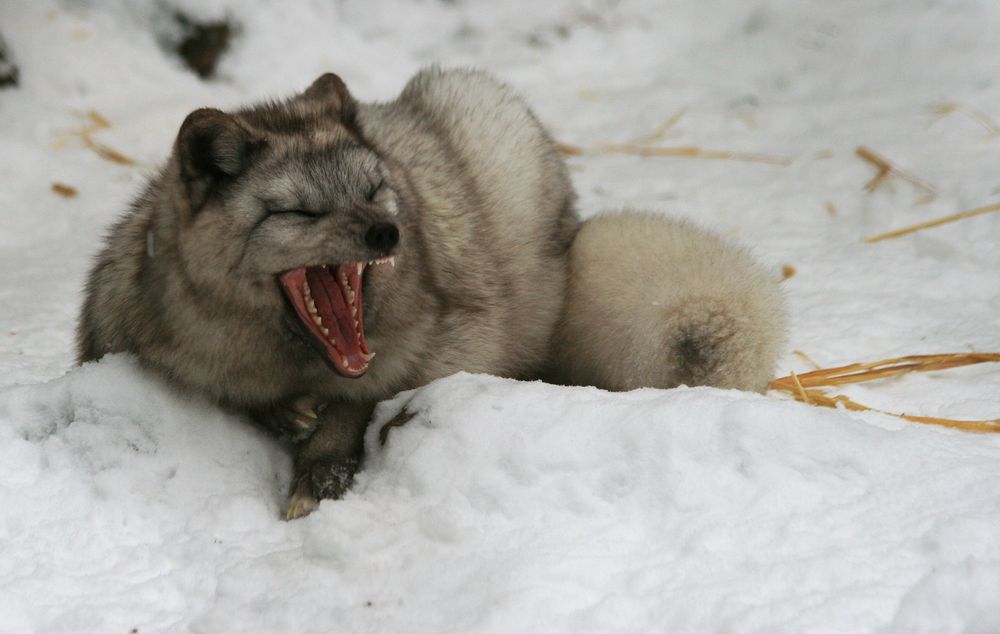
(520, 507)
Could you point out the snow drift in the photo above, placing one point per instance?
(501, 506)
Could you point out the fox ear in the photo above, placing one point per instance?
(212, 143)
(331, 90)
(211, 146)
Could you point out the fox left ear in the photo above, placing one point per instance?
(212, 143)
(331, 90)
(211, 147)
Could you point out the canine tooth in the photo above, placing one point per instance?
(345, 362)
(360, 267)
(392, 261)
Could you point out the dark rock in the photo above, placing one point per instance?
(9, 74)
(203, 43)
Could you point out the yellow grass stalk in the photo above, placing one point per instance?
(934, 223)
(803, 386)
(96, 122)
(887, 169)
(691, 151)
(64, 190)
(661, 131)
(105, 152)
(642, 147)
(978, 116)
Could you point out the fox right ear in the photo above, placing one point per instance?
(330, 89)
(211, 146)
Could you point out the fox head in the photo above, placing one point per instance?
(285, 208)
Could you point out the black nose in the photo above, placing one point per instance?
(382, 236)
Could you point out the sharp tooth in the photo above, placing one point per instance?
(324, 330)
(367, 357)
(392, 261)
(345, 362)
(317, 320)
(361, 267)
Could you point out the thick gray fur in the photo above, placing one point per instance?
(187, 278)
(657, 302)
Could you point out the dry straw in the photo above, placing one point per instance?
(685, 151)
(804, 386)
(644, 147)
(64, 190)
(887, 170)
(97, 122)
(934, 223)
(978, 116)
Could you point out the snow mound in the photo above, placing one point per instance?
(500, 506)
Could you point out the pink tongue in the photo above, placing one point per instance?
(339, 305)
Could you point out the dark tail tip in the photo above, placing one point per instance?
(695, 357)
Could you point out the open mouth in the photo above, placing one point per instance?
(327, 299)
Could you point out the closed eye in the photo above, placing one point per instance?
(296, 212)
(370, 196)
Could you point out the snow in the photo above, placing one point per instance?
(506, 506)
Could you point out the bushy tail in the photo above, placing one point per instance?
(656, 302)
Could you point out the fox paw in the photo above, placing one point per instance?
(302, 502)
(323, 480)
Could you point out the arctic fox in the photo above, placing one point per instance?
(656, 302)
(299, 261)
